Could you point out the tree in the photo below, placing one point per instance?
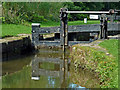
(82, 6)
(19, 12)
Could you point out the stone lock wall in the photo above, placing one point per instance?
(16, 48)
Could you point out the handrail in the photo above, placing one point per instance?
(89, 12)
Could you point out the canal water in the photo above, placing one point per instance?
(49, 68)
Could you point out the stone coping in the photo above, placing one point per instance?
(14, 38)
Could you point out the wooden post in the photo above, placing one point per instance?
(105, 30)
(112, 15)
(63, 28)
(35, 34)
(103, 25)
(35, 69)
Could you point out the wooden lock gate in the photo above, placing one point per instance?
(64, 33)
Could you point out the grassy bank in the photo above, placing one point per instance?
(104, 64)
(13, 29)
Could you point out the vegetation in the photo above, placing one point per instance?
(111, 46)
(106, 66)
(21, 12)
(17, 19)
(46, 13)
(13, 29)
(82, 22)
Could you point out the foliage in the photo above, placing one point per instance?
(106, 66)
(38, 19)
(82, 6)
(20, 12)
(111, 5)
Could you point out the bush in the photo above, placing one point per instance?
(38, 19)
(31, 12)
(2, 19)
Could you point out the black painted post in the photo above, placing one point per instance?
(105, 29)
(63, 27)
(103, 25)
(112, 15)
(35, 34)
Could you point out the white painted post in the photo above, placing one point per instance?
(85, 20)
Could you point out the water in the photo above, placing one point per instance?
(46, 69)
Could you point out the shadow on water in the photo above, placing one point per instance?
(51, 69)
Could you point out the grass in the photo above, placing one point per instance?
(111, 46)
(51, 23)
(13, 29)
(106, 66)
(82, 22)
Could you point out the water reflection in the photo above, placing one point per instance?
(48, 69)
(51, 81)
(15, 65)
(55, 67)
(52, 67)
(75, 86)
